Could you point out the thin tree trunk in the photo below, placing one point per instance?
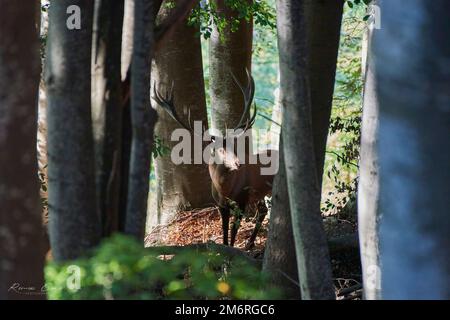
(73, 219)
(21, 232)
(143, 118)
(126, 52)
(412, 55)
(368, 187)
(179, 62)
(324, 23)
(313, 260)
(107, 109)
(230, 52)
(279, 256)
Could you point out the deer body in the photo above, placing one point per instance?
(244, 185)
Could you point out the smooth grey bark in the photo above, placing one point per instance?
(324, 23)
(412, 55)
(127, 37)
(143, 118)
(280, 261)
(228, 52)
(107, 109)
(73, 217)
(368, 186)
(21, 231)
(313, 259)
(178, 61)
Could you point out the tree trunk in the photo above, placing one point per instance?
(21, 232)
(229, 52)
(324, 26)
(324, 22)
(107, 109)
(313, 260)
(143, 118)
(279, 256)
(368, 188)
(73, 219)
(412, 56)
(126, 53)
(179, 62)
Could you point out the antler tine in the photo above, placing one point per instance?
(248, 94)
(189, 119)
(249, 122)
(167, 104)
(171, 93)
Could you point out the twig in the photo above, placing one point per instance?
(357, 294)
(341, 158)
(269, 119)
(289, 278)
(349, 290)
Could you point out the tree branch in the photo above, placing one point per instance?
(228, 251)
(347, 242)
(167, 26)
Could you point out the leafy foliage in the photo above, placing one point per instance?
(353, 3)
(122, 269)
(160, 148)
(341, 167)
(206, 15)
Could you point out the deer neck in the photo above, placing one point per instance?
(224, 181)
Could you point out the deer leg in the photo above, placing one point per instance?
(260, 216)
(225, 214)
(236, 224)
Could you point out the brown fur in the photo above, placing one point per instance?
(242, 184)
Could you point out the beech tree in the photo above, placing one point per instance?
(143, 118)
(279, 255)
(313, 261)
(21, 231)
(412, 77)
(230, 51)
(74, 224)
(323, 23)
(324, 26)
(178, 63)
(107, 109)
(368, 187)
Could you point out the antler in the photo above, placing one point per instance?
(248, 94)
(166, 102)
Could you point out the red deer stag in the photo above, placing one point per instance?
(235, 181)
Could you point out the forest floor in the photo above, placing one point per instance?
(204, 225)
